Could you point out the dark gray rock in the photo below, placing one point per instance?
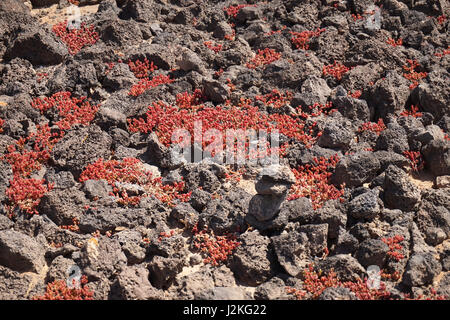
(434, 210)
(39, 47)
(131, 243)
(399, 192)
(102, 258)
(62, 206)
(96, 189)
(296, 246)
(223, 293)
(338, 293)
(142, 11)
(354, 109)
(388, 158)
(163, 270)
(433, 94)
(107, 219)
(199, 199)
(356, 169)
(389, 95)
(20, 252)
(346, 267)
(215, 90)
(133, 284)
(60, 180)
(333, 215)
(365, 206)
(318, 88)
(251, 262)
(346, 243)
(60, 269)
(6, 175)
(372, 252)
(337, 133)
(421, 270)
(5, 223)
(117, 32)
(248, 14)
(437, 157)
(184, 214)
(264, 207)
(275, 180)
(74, 155)
(435, 236)
(226, 214)
(394, 139)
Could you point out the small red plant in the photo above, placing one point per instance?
(411, 73)
(231, 36)
(413, 113)
(315, 282)
(58, 290)
(313, 182)
(394, 43)
(336, 70)
(441, 19)
(394, 247)
(2, 122)
(232, 11)
(415, 159)
(215, 48)
(72, 227)
(216, 248)
(263, 57)
(163, 235)
(190, 101)
(141, 69)
(164, 119)
(218, 73)
(357, 17)
(271, 33)
(146, 84)
(75, 39)
(443, 53)
(372, 126)
(71, 110)
(26, 193)
(41, 76)
(356, 94)
(275, 98)
(301, 39)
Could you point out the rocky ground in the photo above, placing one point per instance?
(358, 90)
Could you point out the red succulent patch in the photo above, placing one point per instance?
(26, 193)
(411, 74)
(377, 127)
(301, 39)
(58, 290)
(263, 57)
(132, 171)
(336, 70)
(415, 159)
(395, 247)
(75, 39)
(145, 84)
(313, 182)
(315, 282)
(217, 249)
(142, 69)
